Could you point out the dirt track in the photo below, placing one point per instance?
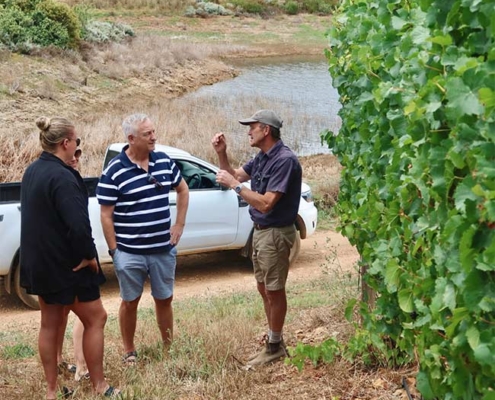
(206, 275)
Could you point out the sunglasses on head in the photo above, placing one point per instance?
(154, 181)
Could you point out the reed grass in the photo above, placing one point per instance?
(188, 123)
(149, 55)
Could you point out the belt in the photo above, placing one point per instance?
(259, 227)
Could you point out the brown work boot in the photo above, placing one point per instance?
(266, 348)
(271, 352)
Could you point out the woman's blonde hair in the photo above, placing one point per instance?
(53, 131)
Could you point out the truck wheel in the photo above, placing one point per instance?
(296, 248)
(294, 252)
(29, 299)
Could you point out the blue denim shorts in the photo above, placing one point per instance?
(132, 270)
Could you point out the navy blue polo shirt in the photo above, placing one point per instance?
(141, 199)
(277, 170)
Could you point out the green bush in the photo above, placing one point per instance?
(14, 26)
(38, 22)
(250, 6)
(23, 5)
(62, 15)
(311, 6)
(291, 8)
(85, 15)
(45, 31)
(417, 196)
(318, 6)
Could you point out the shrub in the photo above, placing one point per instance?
(23, 5)
(311, 6)
(164, 7)
(206, 8)
(62, 15)
(39, 22)
(14, 25)
(100, 31)
(84, 15)
(318, 6)
(215, 9)
(250, 6)
(291, 8)
(45, 31)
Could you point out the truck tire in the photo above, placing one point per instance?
(28, 299)
(294, 252)
(296, 248)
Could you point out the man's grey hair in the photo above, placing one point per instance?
(130, 123)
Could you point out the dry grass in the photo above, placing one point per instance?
(214, 336)
(188, 123)
(322, 173)
(162, 6)
(147, 56)
(65, 90)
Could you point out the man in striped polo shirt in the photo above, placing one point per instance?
(133, 193)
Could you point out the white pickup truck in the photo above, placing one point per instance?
(217, 218)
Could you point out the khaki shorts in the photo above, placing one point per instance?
(271, 251)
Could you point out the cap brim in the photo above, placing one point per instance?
(247, 121)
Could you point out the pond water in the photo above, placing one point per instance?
(299, 89)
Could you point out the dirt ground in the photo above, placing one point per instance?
(225, 272)
(205, 275)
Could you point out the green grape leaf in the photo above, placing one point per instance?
(473, 337)
(462, 100)
(406, 300)
(424, 386)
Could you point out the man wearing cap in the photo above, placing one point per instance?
(275, 175)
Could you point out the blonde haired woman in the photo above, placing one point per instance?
(80, 369)
(58, 255)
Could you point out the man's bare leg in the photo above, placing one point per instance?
(128, 322)
(165, 320)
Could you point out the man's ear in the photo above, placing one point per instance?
(267, 131)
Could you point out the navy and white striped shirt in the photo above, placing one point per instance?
(141, 199)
